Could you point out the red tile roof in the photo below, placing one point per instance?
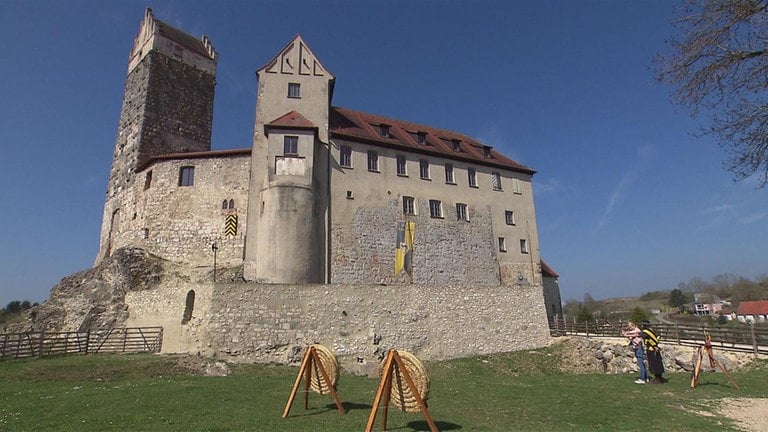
(753, 308)
(292, 120)
(547, 271)
(356, 126)
(183, 39)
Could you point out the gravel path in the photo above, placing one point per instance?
(749, 413)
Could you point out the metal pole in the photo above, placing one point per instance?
(214, 248)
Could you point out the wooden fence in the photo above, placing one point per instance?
(116, 340)
(745, 338)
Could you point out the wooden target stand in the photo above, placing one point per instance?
(311, 362)
(707, 347)
(394, 364)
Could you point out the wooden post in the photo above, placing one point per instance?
(40, 344)
(310, 362)
(754, 337)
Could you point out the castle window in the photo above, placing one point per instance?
(294, 90)
(408, 205)
(509, 217)
(350, 195)
(189, 307)
(187, 176)
(401, 167)
(290, 145)
(345, 156)
(472, 177)
(496, 181)
(449, 174)
(523, 246)
(384, 131)
(424, 169)
(516, 186)
(148, 180)
(461, 212)
(435, 208)
(373, 161)
(231, 204)
(502, 245)
(419, 137)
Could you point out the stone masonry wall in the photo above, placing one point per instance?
(274, 323)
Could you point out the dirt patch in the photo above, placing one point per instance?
(748, 413)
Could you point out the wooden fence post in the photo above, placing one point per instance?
(87, 340)
(40, 344)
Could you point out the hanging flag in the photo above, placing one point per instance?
(400, 248)
(410, 237)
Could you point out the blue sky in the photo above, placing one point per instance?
(627, 200)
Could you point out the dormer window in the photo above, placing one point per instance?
(294, 90)
(487, 151)
(419, 137)
(456, 145)
(384, 131)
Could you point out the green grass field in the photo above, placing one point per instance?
(522, 391)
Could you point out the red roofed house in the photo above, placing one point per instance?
(752, 311)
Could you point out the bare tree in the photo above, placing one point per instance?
(718, 66)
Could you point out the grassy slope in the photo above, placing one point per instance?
(522, 391)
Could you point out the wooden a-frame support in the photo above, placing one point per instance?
(707, 347)
(312, 362)
(384, 392)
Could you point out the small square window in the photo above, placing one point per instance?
(373, 161)
(523, 246)
(290, 145)
(502, 245)
(449, 174)
(384, 131)
(461, 212)
(349, 195)
(435, 209)
(408, 205)
(345, 156)
(294, 90)
(187, 176)
(401, 166)
(509, 216)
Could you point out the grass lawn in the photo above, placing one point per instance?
(523, 391)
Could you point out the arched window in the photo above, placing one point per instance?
(224, 205)
(231, 204)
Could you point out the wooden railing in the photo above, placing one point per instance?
(116, 340)
(745, 338)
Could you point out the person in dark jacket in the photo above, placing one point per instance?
(653, 353)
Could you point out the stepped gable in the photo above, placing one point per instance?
(356, 125)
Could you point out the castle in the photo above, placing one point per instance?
(326, 195)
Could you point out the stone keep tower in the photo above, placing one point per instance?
(288, 211)
(167, 108)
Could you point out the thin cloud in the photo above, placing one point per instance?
(752, 218)
(644, 155)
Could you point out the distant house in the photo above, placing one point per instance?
(751, 311)
(551, 292)
(706, 304)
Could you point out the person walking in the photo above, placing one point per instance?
(653, 353)
(635, 336)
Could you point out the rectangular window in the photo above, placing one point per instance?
(290, 145)
(408, 205)
(373, 161)
(449, 174)
(148, 180)
(384, 131)
(424, 169)
(516, 188)
(502, 245)
(472, 177)
(486, 151)
(496, 181)
(345, 156)
(523, 246)
(461, 212)
(401, 167)
(419, 137)
(509, 216)
(294, 90)
(435, 209)
(187, 176)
